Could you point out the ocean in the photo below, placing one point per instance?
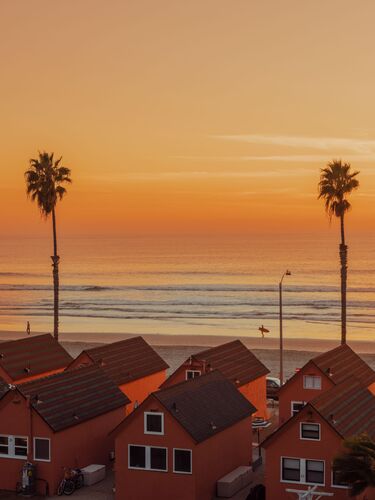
(189, 286)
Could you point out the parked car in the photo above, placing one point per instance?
(273, 386)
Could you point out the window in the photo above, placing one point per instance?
(158, 458)
(291, 469)
(315, 471)
(20, 446)
(42, 449)
(312, 382)
(137, 457)
(189, 374)
(300, 470)
(336, 480)
(4, 445)
(296, 407)
(182, 461)
(310, 431)
(154, 423)
(147, 458)
(13, 446)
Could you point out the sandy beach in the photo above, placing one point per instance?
(176, 348)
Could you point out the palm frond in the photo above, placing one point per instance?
(44, 180)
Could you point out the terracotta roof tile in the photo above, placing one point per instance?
(205, 405)
(234, 360)
(343, 361)
(71, 397)
(349, 407)
(127, 360)
(32, 356)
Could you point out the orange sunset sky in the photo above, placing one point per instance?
(190, 116)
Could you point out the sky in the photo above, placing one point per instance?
(176, 117)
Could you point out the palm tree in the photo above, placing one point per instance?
(337, 181)
(44, 182)
(356, 464)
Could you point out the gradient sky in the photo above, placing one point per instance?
(183, 116)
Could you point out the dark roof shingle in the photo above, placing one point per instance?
(32, 356)
(234, 360)
(4, 388)
(127, 360)
(349, 407)
(205, 405)
(342, 361)
(71, 397)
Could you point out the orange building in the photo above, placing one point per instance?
(237, 363)
(182, 439)
(31, 358)
(132, 364)
(299, 454)
(320, 374)
(63, 420)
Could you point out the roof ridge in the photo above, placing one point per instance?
(110, 344)
(213, 348)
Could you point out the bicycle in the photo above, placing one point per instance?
(72, 480)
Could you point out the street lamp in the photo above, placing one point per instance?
(287, 273)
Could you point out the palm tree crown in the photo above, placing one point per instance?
(336, 183)
(44, 181)
(356, 464)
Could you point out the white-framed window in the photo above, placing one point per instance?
(310, 431)
(189, 374)
(302, 470)
(312, 382)
(153, 458)
(182, 461)
(296, 407)
(154, 422)
(42, 449)
(13, 446)
(336, 483)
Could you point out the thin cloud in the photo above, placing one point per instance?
(182, 175)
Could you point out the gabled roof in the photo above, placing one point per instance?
(343, 361)
(205, 405)
(234, 360)
(72, 397)
(32, 356)
(127, 360)
(348, 407)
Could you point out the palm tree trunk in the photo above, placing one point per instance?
(55, 273)
(344, 272)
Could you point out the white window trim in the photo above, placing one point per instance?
(12, 446)
(49, 449)
(192, 371)
(148, 458)
(302, 470)
(146, 413)
(312, 388)
(191, 461)
(309, 423)
(291, 406)
(337, 485)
